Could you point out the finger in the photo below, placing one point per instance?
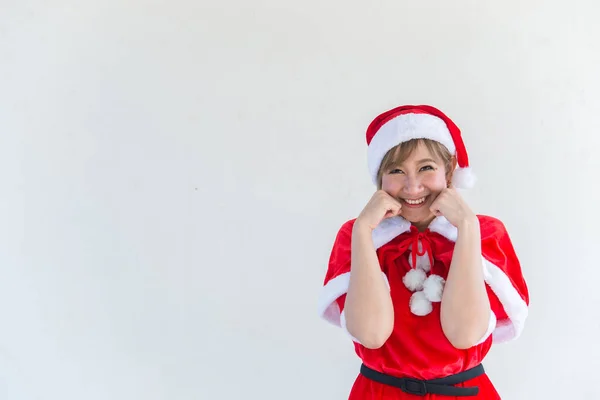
(436, 202)
(392, 202)
(435, 210)
(435, 207)
(399, 211)
(393, 209)
(391, 213)
(396, 208)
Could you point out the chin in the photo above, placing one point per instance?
(418, 217)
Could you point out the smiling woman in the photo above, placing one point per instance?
(419, 282)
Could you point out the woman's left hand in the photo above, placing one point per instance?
(450, 204)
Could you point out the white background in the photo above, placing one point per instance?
(173, 173)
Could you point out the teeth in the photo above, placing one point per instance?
(415, 202)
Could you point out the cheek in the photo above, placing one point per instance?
(391, 184)
(436, 182)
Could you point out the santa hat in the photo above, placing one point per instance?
(404, 123)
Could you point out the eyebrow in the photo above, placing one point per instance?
(396, 164)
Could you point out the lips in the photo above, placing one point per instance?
(414, 203)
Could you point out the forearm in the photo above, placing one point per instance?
(465, 308)
(368, 307)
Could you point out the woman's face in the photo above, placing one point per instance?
(416, 182)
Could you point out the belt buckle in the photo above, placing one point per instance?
(413, 386)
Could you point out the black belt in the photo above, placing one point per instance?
(443, 386)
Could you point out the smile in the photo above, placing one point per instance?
(415, 202)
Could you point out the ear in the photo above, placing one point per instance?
(453, 163)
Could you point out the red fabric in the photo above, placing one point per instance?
(497, 248)
(365, 389)
(418, 347)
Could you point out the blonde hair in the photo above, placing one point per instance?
(401, 152)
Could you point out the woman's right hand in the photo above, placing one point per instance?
(381, 206)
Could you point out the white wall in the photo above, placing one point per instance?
(173, 174)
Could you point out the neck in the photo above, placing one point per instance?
(423, 225)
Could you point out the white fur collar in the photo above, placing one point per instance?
(442, 226)
(390, 228)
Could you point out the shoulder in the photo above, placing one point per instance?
(495, 237)
(348, 225)
(339, 259)
(491, 226)
(344, 233)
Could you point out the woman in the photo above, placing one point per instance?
(421, 284)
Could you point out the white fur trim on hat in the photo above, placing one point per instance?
(401, 129)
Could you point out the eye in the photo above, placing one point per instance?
(396, 171)
(427, 168)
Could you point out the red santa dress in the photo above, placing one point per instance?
(415, 265)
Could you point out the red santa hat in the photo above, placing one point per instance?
(404, 123)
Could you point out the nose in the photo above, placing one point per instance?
(413, 185)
